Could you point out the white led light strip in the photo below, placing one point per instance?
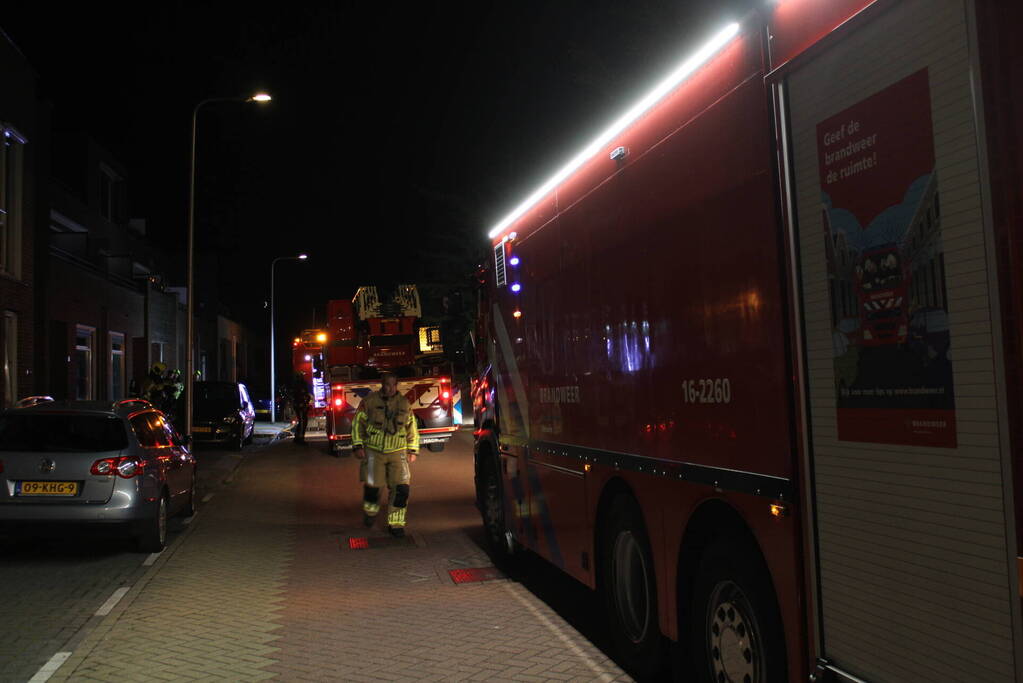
(666, 86)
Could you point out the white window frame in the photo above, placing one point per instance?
(90, 370)
(116, 357)
(12, 192)
(10, 358)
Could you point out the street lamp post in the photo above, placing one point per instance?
(190, 323)
(273, 376)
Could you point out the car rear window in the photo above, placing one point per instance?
(68, 433)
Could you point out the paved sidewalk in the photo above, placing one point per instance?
(265, 585)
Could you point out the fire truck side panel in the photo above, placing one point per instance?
(912, 473)
(1001, 60)
(797, 25)
(651, 342)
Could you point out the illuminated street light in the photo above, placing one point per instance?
(190, 323)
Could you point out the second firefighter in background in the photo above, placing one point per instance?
(385, 436)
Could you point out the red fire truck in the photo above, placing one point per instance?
(378, 330)
(882, 288)
(307, 360)
(669, 406)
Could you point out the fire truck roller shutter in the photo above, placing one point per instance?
(909, 468)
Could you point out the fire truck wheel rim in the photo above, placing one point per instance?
(632, 592)
(734, 642)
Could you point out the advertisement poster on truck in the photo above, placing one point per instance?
(886, 272)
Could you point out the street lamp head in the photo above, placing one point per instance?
(303, 257)
(260, 97)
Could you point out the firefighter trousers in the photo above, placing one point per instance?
(390, 469)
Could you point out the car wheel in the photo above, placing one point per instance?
(435, 447)
(500, 542)
(630, 588)
(154, 536)
(193, 499)
(736, 625)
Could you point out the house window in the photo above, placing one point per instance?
(10, 358)
(84, 342)
(11, 189)
(116, 374)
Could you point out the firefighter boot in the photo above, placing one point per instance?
(370, 506)
(396, 522)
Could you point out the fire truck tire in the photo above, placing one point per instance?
(630, 589)
(501, 547)
(435, 447)
(736, 629)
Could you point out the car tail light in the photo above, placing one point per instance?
(124, 467)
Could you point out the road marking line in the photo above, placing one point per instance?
(112, 601)
(207, 498)
(553, 628)
(50, 667)
(151, 559)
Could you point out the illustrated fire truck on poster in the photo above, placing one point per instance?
(886, 269)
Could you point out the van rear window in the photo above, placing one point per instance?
(41, 433)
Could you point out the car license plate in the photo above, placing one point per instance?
(47, 488)
(204, 430)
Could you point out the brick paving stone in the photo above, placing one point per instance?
(262, 585)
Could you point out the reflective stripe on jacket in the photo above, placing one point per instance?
(370, 427)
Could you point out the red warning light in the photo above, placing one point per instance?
(358, 543)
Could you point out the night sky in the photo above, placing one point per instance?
(398, 131)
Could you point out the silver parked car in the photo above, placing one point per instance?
(113, 467)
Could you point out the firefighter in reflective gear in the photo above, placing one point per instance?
(153, 385)
(385, 437)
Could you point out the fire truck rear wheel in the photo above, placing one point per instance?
(736, 632)
(630, 588)
(492, 508)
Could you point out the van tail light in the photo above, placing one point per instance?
(124, 467)
(445, 391)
